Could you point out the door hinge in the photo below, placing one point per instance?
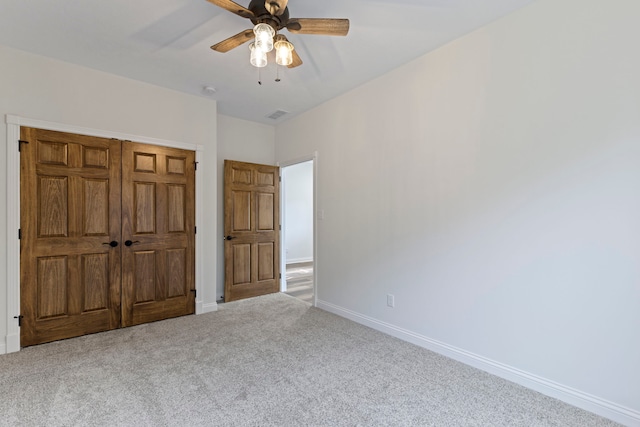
(19, 319)
(20, 142)
(195, 166)
(279, 275)
(195, 230)
(195, 292)
(280, 178)
(19, 233)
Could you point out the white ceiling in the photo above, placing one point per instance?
(166, 43)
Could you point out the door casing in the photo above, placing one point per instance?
(13, 211)
(283, 256)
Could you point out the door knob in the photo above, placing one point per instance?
(228, 238)
(112, 243)
(129, 242)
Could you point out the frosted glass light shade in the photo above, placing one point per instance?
(264, 37)
(258, 57)
(284, 51)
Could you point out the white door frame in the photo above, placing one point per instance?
(13, 209)
(283, 250)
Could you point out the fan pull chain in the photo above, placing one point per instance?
(259, 78)
(277, 73)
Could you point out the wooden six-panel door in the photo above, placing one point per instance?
(158, 228)
(251, 223)
(70, 214)
(108, 234)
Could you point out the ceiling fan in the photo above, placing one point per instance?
(269, 17)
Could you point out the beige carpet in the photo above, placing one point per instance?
(267, 361)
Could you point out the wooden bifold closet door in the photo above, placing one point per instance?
(107, 234)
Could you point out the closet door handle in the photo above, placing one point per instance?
(112, 243)
(129, 242)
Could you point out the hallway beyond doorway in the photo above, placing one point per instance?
(300, 281)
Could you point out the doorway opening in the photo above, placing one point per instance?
(298, 229)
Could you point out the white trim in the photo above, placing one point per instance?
(200, 226)
(63, 127)
(283, 231)
(12, 338)
(3, 349)
(297, 260)
(588, 402)
(13, 209)
(283, 256)
(208, 308)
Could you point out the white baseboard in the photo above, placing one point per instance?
(207, 308)
(588, 402)
(11, 344)
(298, 260)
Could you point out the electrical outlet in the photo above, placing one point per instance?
(391, 301)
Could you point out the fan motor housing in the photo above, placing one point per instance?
(262, 15)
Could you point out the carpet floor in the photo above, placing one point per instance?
(266, 361)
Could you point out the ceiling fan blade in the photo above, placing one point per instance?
(296, 60)
(319, 26)
(233, 7)
(233, 41)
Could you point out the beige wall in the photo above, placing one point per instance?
(39, 88)
(492, 187)
(243, 141)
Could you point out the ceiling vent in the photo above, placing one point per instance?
(277, 114)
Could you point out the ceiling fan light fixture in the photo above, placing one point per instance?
(264, 37)
(258, 57)
(284, 52)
